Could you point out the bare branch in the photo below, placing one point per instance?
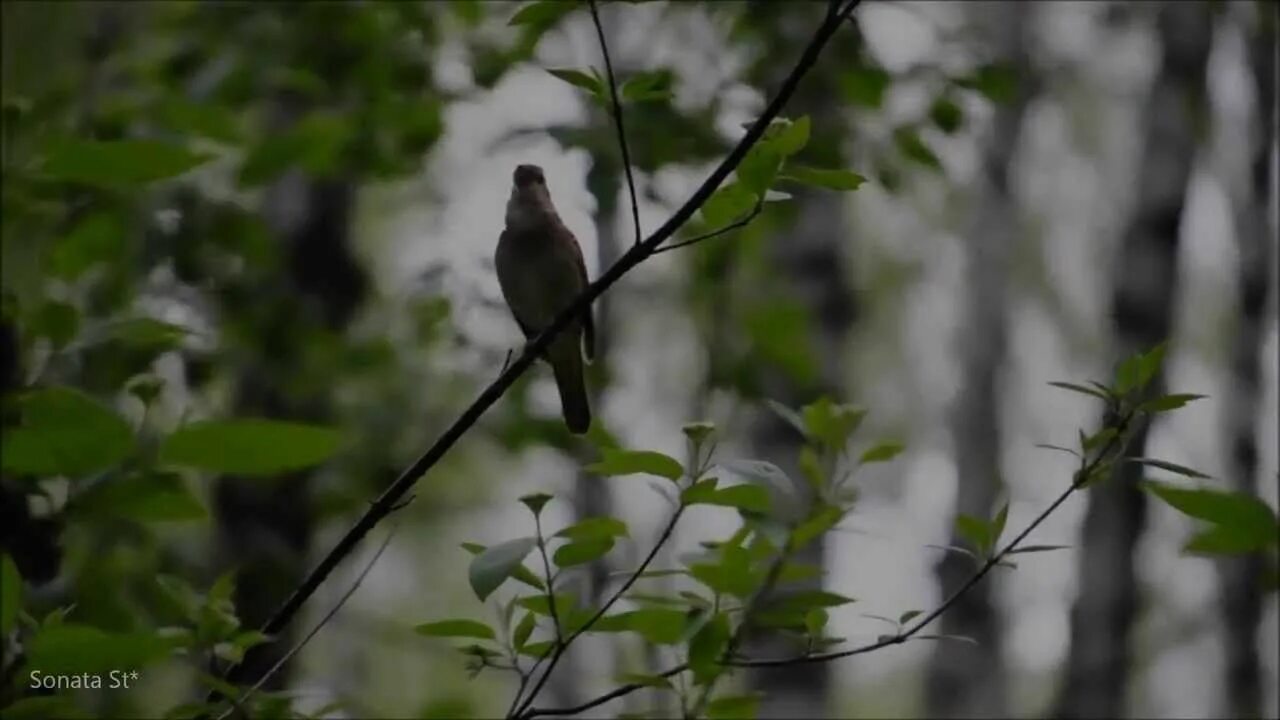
(740, 222)
(495, 390)
(617, 119)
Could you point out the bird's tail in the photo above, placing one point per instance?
(567, 367)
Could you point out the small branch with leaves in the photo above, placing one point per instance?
(753, 565)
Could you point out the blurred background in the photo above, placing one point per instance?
(1050, 186)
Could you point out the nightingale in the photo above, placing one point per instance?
(541, 271)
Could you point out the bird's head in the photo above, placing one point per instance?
(530, 201)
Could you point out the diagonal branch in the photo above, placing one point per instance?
(386, 502)
(237, 704)
(617, 119)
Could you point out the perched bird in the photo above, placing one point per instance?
(541, 271)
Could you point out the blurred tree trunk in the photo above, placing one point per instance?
(969, 680)
(1100, 655)
(264, 526)
(808, 263)
(1241, 576)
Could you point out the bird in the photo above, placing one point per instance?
(540, 269)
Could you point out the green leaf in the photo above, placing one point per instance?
(866, 86)
(535, 502)
(65, 432)
(731, 573)
(815, 620)
(908, 616)
(997, 524)
(792, 137)
(946, 115)
(1242, 520)
(829, 178)
(1171, 467)
(1099, 439)
(882, 452)
(524, 629)
(118, 163)
(631, 462)
(540, 605)
(734, 707)
(751, 498)
(806, 600)
(577, 78)
(1168, 402)
(645, 86)
(758, 169)
(98, 238)
(582, 551)
(728, 204)
(914, 148)
(538, 650)
(57, 321)
(975, 530)
(643, 680)
(660, 626)
(826, 518)
(494, 565)
(706, 646)
(542, 13)
(147, 333)
(521, 573)
(595, 528)
(702, 491)
(143, 497)
(1228, 540)
(458, 628)
(10, 594)
(249, 446)
(782, 490)
(68, 649)
(1073, 387)
(997, 81)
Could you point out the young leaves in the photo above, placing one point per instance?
(1239, 522)
(632, 462)
(494, 565)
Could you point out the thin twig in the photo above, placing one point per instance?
(244, 697)
(617, 119)
(740, 222)
(551, 589)
(1082, 476)
(495, 390)
(562, 648)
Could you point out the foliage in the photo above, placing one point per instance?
(134, 241)
(746, 580)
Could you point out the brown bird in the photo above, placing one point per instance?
(541, 271)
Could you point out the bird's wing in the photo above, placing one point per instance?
(501, 262)
(588, 323)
